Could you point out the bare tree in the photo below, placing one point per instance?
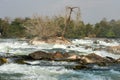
(68, 14)
(42, 27)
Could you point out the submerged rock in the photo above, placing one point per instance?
(80, 67)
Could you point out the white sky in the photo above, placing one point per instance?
(92, 11)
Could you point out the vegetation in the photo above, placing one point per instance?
(46, 27)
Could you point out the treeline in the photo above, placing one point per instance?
(46, 27)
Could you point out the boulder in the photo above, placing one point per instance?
(38, 55)
(93, 58)
(118, 60)
(3, 60)
(114, 49)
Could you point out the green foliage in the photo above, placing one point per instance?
(54, 27)
(110, 34)
(13, 29)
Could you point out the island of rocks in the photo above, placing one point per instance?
(85, 62)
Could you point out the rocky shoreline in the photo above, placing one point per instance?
(86, 62)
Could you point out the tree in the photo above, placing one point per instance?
(16, 28)
(42, 27)
(4, 25)
(69, 11)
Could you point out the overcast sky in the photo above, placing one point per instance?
(92, 11)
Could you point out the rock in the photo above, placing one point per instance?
(96, 42)
(118, 60)
(108, 41)
(73, 57)
(110, 59)
(88, 47)
(52, 40)
(38, 55)
(77, 45)
(58, 55)
(114, 49)
(66, 55)
(93, 58)
(3, 60)
(78, 67)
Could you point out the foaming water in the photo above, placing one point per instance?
(25, 72)
(12, 71)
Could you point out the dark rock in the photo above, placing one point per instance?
(3, 60)
(79, 67)
(110, 59)
(88, 47)
(68, 46)
(77, 45)
(38, 55)
(96, 42)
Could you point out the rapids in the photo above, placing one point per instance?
(13, 71)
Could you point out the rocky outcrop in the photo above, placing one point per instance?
(114, 49)
(38, 55)
(53, 40)
(93, 58)
(81, 61)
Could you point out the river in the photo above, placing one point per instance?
(13, 71)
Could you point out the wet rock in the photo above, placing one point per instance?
(38, 55)
(58, 55)
(20, 61)
(88, 47)
(114, 49)
(93, 58)
(108, 41)
(68, 46)
(110, 59)
(77, 45)
(3, 60)
(96, 42)
(118, 60)
(79, 67)
(66, 55)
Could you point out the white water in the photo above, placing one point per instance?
(14, 71)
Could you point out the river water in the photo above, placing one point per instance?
(13, 71)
